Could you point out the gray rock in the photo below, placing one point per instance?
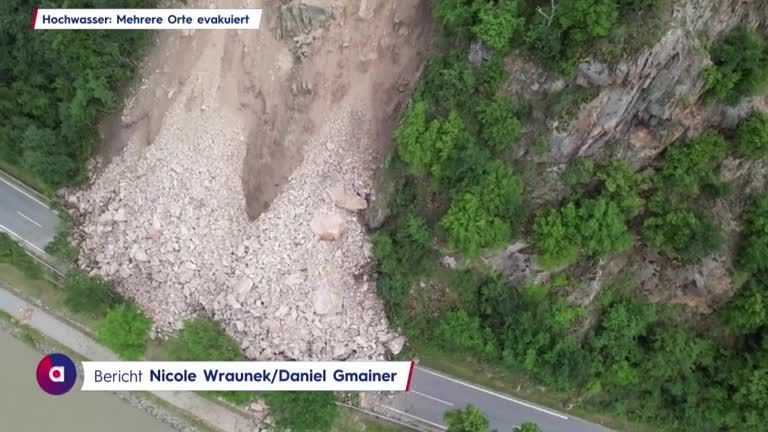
(347, 200)
(328, 226)
(395, 346)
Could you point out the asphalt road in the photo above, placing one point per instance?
(25, 215)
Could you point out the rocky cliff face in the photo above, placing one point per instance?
(640, 106)
(648, 102)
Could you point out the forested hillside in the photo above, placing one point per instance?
(556, 289)
(55, 84)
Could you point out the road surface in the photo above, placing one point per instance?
(432, 393)
(25, 215)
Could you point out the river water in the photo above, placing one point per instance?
(24, 407)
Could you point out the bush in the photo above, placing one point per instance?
(427, 147)
(740, 67)
(491, 76)
(689, 166)
(461, 333)
(13, 254)
(124, 331)
(470, 419)
(753, 256)
(585, 20)
(446, 85)
(88, 294)
(623, 187)
(498, 126)
(302, 411)
(684, 234)
(201, 339)
(485, 215)
(499, 24)
(747, 311)
(595, 228)
(752, 137)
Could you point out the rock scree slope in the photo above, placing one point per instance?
(167, 219)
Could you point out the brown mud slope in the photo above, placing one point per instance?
(237, 169)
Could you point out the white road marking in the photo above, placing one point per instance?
(432, 397)
(13, 234)
(29, 219)
(377, 415)
(23, 192)
(501, 396)
(416, 418)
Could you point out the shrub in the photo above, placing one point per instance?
(484, 216)
(556, 236)
(684, 234)
(689, 166)
(622, 186)
(124, 331)
(602, 228)
(595, 228)
(491, 76)
(13, 254)
(427, 147)
(752, 136)
(753, 255)
(302, 411)
(638, 5)
(88, 294)
(578, 173)
(498, 24)
(529, 427)
(498, 126)
(201, 339)
(461, 333)
(470, 419)
(740, 67)
(585, 20)
(446, 85)
(747, 311)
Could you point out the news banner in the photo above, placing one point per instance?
(247, 376)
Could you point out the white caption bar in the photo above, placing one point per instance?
(149, 19)
(247, 376)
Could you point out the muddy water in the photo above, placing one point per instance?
(25, 408)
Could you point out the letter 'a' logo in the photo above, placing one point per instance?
(56, 374)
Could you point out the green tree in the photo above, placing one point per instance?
(623, 187)
(498, 24)
(584, 20)
(556, 236)
(752, 136)
(498, 125)
(740, 67)
(486, 214)
(124, 331)
(529, 427)
(602, 228)
(302, 411)
(470, 419)
(461, 333)
(753, 255)
(88, 294)
(684, 234)
(747, 311)
(689, 166)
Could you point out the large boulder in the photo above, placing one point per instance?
(328, 226)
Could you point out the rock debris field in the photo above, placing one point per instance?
(168, 225)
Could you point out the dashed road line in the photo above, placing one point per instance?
(416, 418)
(29, 219)
(498, 395)
(432, 397)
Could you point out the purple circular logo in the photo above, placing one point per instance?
(56, 374)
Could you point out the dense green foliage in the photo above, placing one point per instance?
(683, 233)
(740, 67)
(61, 246)
(470, 419)
(754, 251)
(204, 340)
(125, 331)
(54, 85)
(752, 136)
(529, 427)
(593, 228)
(482, 216)
(13, 254)
(88, 294)
(302, 411)
(690, 166)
